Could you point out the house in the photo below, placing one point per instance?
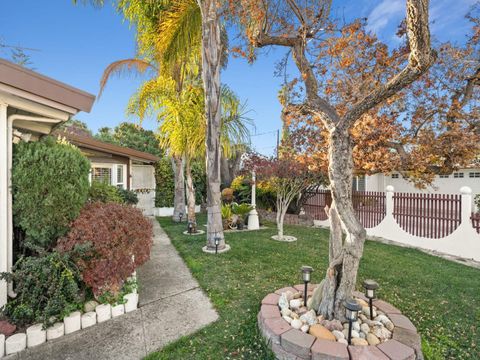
(30, 106)
(120, 166)
(442, 184)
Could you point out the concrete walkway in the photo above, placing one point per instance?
(171, 306)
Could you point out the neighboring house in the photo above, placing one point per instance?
(120, 166)
(30, 106)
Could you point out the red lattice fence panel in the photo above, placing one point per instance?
(315, 205)
(476, 221)
(427, 215)
(369, 207)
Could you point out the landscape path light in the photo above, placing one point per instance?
(352, 307)
(190, 227)
(180, 216)
(217, 242)
(370, 287)
(306, 274)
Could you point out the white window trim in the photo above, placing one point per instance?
(113, 168)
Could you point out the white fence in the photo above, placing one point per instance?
(463, 241)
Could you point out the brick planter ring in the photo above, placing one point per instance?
(290, 344)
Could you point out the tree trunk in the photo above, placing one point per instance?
(345, 254)
(179, 199)
(211, 57)
(280, 217)
(190, 195)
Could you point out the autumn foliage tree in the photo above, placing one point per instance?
(345, 74)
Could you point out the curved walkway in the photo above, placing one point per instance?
(172, 305)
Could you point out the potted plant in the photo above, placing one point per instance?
(242, 211)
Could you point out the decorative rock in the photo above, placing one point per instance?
(104, 312)
(89, 319)
(297, 295)
(381, 333)
(295, 304)
(118, 310)
(305, 328)
(357, 341)
(345, 333)
(362, 303)
(294, 315)
(343, 341)
(296, 323)
(355, 334)
(310, 317)
(389, 325)
(131, 302)
(362, 335)
(382, 318)
(6, 328)
(321, 332)
(286, 312)
(283, 301)
(316, 297)
(287, 319)
(333, 324)
(372, 339)
(36, 335)
(362, 317)
(366, 311)
(90, 306)
(302, 310)
(320, 318)
(55, 331)
(356, 326)
(16, 343)
(338, 335)
(365, 328)
(73, 322)
(289, 295)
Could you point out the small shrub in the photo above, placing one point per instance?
(103, 192)
(46, 287)
(102, 241)
(128, 197)
(164, 178)
(242, 211)
(50, 186)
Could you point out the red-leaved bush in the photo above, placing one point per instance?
(108, 242)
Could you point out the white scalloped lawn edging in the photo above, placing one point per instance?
(35, 335)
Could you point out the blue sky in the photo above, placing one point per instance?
(75, 44)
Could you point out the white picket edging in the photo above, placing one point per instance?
(464, 241)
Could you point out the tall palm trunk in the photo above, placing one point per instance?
(190, 194)
(179, 199)
(211, 57)
(345, 254)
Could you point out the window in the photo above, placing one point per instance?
(474, 175)
(102, 174)
(395, 176)
(120, 179)
(444, 176)
(458, 175)
(359, 183)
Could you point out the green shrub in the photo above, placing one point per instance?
(50, 186)
(103, 192)
(128, 197)
(102, 241)
(164, 176)
(46, 287)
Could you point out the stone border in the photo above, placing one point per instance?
(205, 249)
(288, 343)
(286, 238)
(199, 232)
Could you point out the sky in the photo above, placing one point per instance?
(74, 44)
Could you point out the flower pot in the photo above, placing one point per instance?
(15, 343)
(104, 312)
(55, 331)
(118, 310)
(89, 319)
(36, 335)
(73, 322)
(131, 302)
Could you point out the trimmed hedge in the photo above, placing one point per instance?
(50, 186)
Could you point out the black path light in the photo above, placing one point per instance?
(217, 242)
(370, 287)
(352, 307)
(306, 272)
(190, 227)
(180, 216)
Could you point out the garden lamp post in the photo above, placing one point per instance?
(352, 307)
(217, 242)
(190, 227)
(370, 287)
(306, 271)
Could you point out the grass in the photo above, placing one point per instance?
(442, 298)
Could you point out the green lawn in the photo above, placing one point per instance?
(442, 298)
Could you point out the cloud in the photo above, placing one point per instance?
(386, 13)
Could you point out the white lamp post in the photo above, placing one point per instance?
(253, 222)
